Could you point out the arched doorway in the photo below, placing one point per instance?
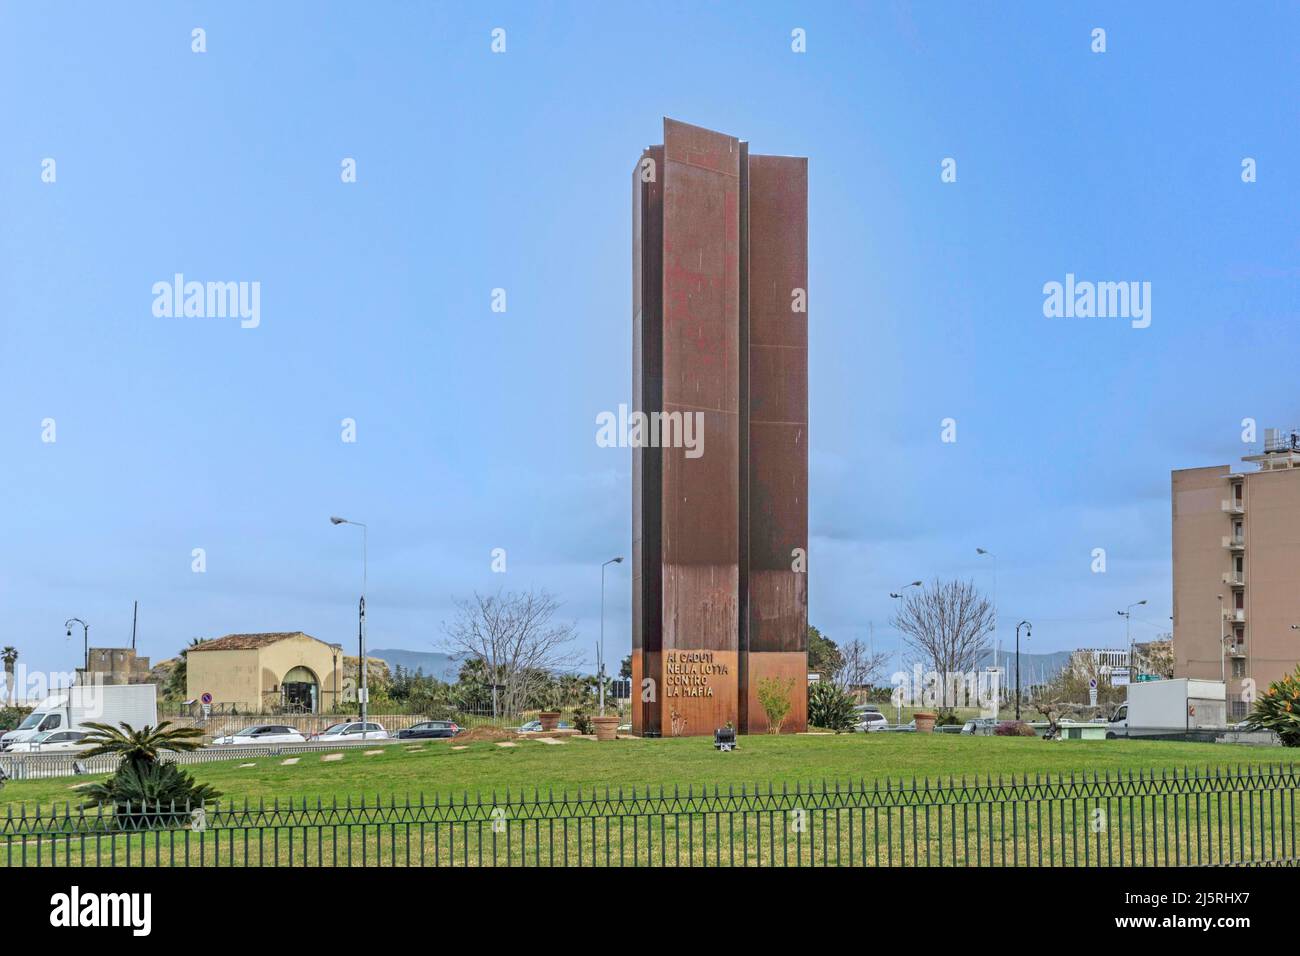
(301, 689)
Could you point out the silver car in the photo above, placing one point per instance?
(868, 719)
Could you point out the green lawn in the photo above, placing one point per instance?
(434, 768)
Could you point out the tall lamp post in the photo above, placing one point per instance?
(600, 663)
(897, 596)
(1029, 632)
(997, 639)
(85, 639)
(364, 694)
(1127, 615)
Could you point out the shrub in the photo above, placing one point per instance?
(829, 707)
(1014, 728)
(947, 719)
(774, 698)
(148, 795)
(142, 781)
(582, 722)
(1278, 710)
(11, 717)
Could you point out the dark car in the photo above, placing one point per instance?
(428, 729)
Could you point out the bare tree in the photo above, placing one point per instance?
(860, 668)
(1156, 657)
(947, 625)
(516, 638)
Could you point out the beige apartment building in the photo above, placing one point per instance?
(1236, 570)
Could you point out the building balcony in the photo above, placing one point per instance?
(1233, 506)
(1234, 542)
(1236, 614)
(1236, 579)
(1237, 649)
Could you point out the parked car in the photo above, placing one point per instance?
(868, 718)
(429, 729)
(535, 725)
(264, 734)
(979, 726)
(351, 730)
(53, 741)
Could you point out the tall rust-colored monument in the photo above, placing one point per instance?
(719, 522)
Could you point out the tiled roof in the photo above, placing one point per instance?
(247, 642)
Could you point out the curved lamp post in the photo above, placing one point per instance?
(897, 595)
(1029, 628)
(1127, 614)
(85, 639)
(364, 693)
(600, 662)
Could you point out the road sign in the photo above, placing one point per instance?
(206, 698)
(1092, 684)
(1092, 695)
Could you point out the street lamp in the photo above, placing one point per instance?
(1127, 615)
(997, 638)
(1029, 632)
(364, 694)
(600, 658)
(897, 595)
(85, 637)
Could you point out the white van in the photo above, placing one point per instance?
(71, 708)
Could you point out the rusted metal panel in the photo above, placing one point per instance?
(777, 460)
(701, 362)
(647, 388)
(790, 668)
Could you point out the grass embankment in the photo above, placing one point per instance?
(435, 768)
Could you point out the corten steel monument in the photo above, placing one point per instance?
(720, 328)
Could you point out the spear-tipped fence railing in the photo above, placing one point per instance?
(1152, 818)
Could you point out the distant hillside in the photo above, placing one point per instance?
(1036, 668)
(431, 663)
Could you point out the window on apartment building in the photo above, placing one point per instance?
(1240, 600)
(1238, 708)
(1239, 565)
(1238, 668)
(1237, 530)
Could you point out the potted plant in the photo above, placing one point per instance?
(606, 727)
(550, 717)
(925, 721)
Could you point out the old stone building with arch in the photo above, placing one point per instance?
(253, 673)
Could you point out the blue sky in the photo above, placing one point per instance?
(476, 430)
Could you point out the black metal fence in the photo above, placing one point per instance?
(1178, 818)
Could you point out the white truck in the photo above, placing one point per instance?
(1170, 708)
(70, 708)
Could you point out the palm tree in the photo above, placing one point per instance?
(10, 657)
(143, 785)
(140, 748)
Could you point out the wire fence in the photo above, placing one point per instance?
(1187, 817)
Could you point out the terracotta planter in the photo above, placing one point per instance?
(925, 722)
(550, 719)
(606, 727)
